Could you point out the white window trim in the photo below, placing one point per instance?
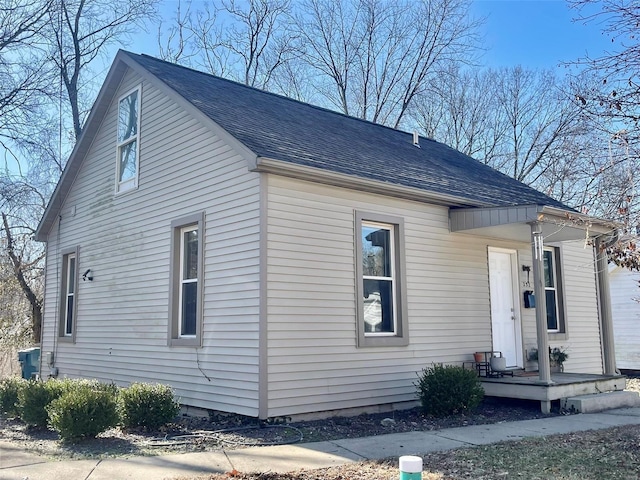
(182, 280)
(63, 331)
(130, 183)
(400, 336)
(178, 226)
(68, 323)
(392, 252)
(558, 288)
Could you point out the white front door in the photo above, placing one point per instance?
(505, 318)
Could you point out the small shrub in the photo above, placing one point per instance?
(85, 410)
(34, 397)
(146, 405)
(76, 383)
(9, 390)
(447, 390)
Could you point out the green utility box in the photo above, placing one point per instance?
(29, 359)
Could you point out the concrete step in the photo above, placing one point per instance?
(597, 402)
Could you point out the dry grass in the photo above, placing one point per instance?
(612, 454)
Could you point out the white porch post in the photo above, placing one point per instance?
(537, 244)
(606, 317)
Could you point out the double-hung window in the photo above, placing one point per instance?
(68, 295)
(128, 141)
(186, 280)
(553, 290)
(382, 318)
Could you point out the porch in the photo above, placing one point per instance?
(527, 386)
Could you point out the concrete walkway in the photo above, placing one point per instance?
(18, 465)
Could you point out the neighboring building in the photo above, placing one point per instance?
(625, 306)
(268, 257)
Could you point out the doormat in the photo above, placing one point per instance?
(526, 374)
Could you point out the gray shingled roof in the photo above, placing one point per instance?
(283, 129)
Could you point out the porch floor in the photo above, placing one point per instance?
(527, 386)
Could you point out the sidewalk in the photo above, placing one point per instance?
(18, 465)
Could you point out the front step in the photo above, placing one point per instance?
(597, 402)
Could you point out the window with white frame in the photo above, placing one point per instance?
(68, 294)
(186, 280)
(382, 319)
(553, 290)
(128, 141)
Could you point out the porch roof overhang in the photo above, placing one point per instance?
(537, 225)
(514, 223)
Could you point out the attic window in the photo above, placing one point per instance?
(128, 141)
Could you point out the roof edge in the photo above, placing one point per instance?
(123, 60)
(89, 131)
(318, 175)
(462, 219)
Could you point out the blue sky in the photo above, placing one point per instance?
(535, 33)
(531, 33)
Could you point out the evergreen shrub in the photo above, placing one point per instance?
(9, 390)
(84, 410)
(34, 398)
(448, 390)
(147, 405)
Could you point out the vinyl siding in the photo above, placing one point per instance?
(583, 324)
(122, 322)
(313, 361)
(625, 307)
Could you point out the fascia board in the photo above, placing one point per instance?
(318, 175)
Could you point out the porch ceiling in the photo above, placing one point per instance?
(513, 223)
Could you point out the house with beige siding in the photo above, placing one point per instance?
(271, 258)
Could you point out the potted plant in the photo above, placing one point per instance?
(557, 357)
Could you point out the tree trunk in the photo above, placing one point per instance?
(18, 270)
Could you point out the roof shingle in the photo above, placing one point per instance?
(280, 128)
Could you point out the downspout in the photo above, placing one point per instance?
(604, 300)
(537, 244)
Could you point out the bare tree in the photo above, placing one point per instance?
(367, 58)
(459, 108)
(618, 96)
(175, 36)
(24, 82)
(613, 104)
(82, 29)
(373, 57)
(246, 41)
(23, 69)
(15, 322)
(540, 115)
(43, 41)
(519, 121)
